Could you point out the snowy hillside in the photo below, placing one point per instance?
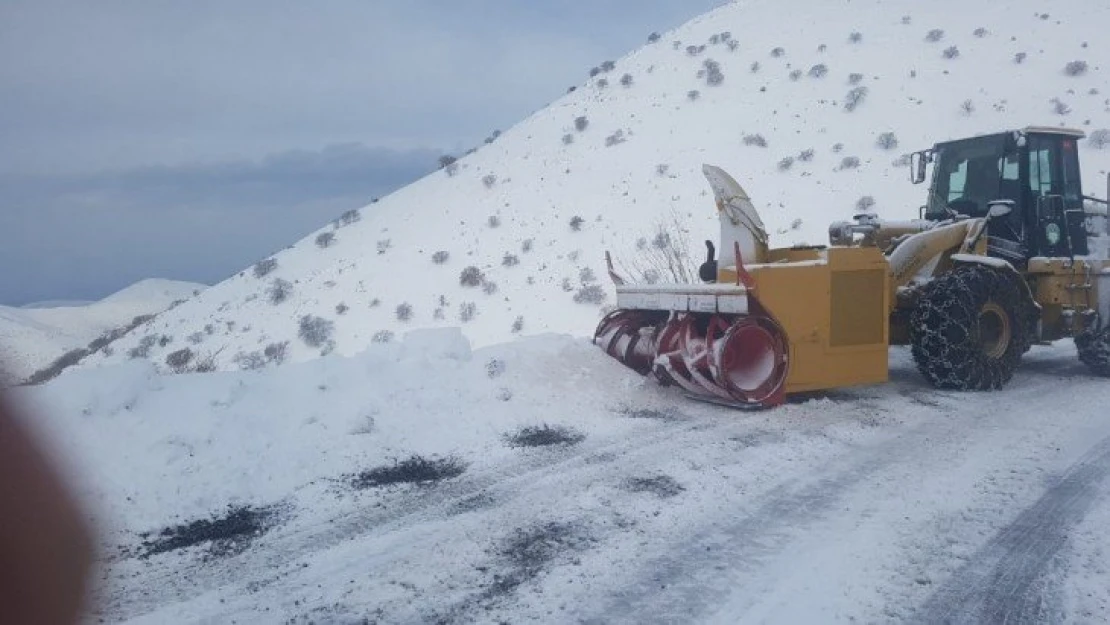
(796, 105)
(32, 337)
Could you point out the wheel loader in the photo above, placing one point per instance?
(1006, 253)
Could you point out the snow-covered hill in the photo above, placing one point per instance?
(757, 87)
(31, 337)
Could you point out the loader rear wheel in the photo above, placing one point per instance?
(1094, 351)
(970, 328)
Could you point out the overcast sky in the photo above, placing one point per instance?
(186, 139)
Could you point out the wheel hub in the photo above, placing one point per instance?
(994, 330)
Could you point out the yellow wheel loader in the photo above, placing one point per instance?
(1007, 252)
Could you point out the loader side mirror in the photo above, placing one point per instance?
(917, 167)
(1000, 208)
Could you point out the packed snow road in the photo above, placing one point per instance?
(590, 496)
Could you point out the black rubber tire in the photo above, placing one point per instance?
(946, 335)
(1094, 351)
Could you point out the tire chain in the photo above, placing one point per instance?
(1094, 351)
(944, 328)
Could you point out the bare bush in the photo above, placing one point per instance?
(264, 267)
(276, 352)
(602, 83)
(693, 94)
(951, 52)
(568, 139)
(855, 97)
(384, 245)
(250, 361)
(451, 169)
(142, 349)
(510, 260)
(837, 148)
(489, 287)
(1099, 139)
(279, 291)
(1076, 68)
(590, 294)
(586, 274)
(315, 331)
(934, 35)
(489, 180)
(653, 37)
(341, 308)
(626, 80)
(581, 123)
(806, 155)
(786, 163)
(608, 66)
(755, 67)
(887, 141)
(1060, 107)
(713, 74)
(576, 223)
(733, 45)
(756, 140)
(855, 78)
(855, 37)
(382, 336)
(849, 162)
(518, 324)
(526, 246)
(493, 221)
(178, 361)
(348, 218)
(471, 276)
(967, 107)
(446, 160)
(665, 253)
(615, 139)
(441, 257)
(778, 52)
(404, 312)
(467, 311)
(325, 239)
(864, 203)
(1019, 58)
(980, 32)
(818, 71)
(796, 75)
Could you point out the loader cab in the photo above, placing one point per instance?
(1034, 172)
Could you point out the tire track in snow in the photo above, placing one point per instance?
(684, 583)
(1008, 579)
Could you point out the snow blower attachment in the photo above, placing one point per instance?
(1006, 255)
(765, 326)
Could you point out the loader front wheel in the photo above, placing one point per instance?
(1094, 351)
(969, 329)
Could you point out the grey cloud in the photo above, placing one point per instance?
(91, 234)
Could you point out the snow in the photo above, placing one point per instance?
(31, 337)
(384, 259)
(876, 504)
(882, 503)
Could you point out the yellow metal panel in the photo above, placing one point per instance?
(858, 311)
(852, 287)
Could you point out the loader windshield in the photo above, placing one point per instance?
(967, 175)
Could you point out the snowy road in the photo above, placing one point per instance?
(891, 503)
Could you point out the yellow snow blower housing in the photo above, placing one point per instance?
(993, 266)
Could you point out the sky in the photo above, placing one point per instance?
(185, 140)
